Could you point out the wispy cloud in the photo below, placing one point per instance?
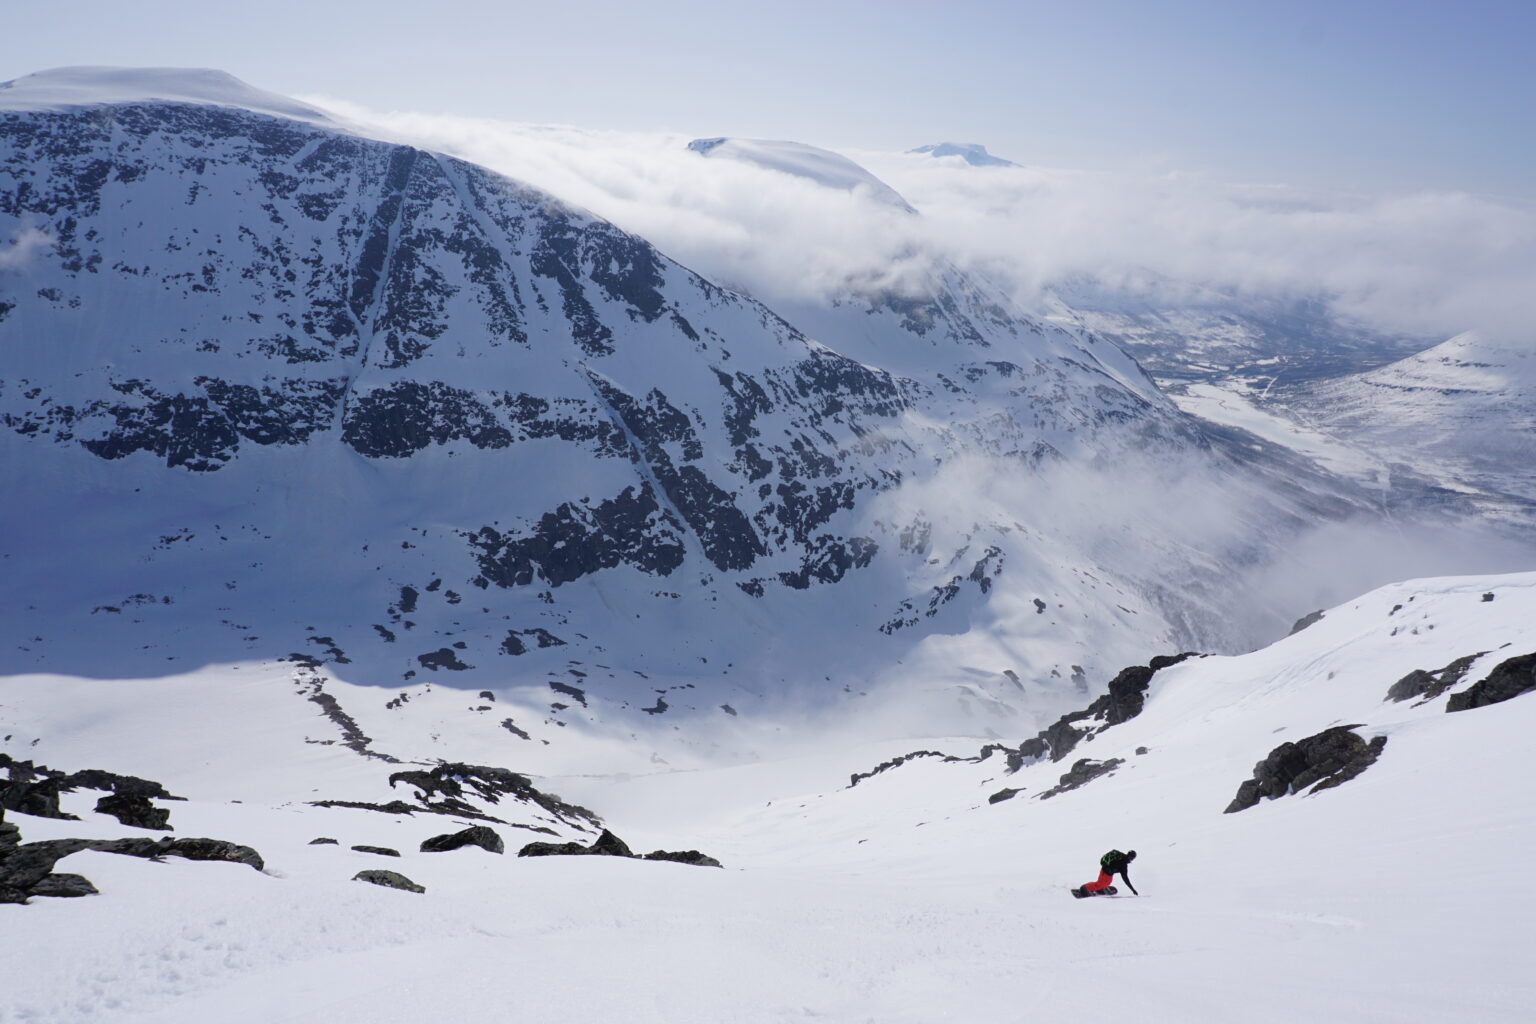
(1425, 263)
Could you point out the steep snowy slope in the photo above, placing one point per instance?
(275, 389)
(1462, 412)
(905, 897)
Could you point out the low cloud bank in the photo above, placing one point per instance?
(1424, 263)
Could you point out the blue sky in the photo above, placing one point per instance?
(1355, 95)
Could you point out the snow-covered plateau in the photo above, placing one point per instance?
(422, 599)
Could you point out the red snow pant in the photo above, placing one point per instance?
(1104, 879)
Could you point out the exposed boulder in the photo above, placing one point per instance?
(1324, 760)
(324, 841)
(382, 851)
(28, 864)
(26, 869)
(388, 879)
(64, 885)
(135, 810)
(1509, 679)
(1430, 685)
(126, 785)
(35, 789)
(1082, 772)
(213, 849)
(553, 850)
(1003, 794)
(39, 799)
(683, 857)
(477, 835)
(610, 845)
(1310, 619)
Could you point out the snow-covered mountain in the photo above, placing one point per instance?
(972, 153)
(1462, 412)
(372, 517)
(822, 166)
(1309, 818)
(277, 389)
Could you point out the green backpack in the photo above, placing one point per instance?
(1113, 856)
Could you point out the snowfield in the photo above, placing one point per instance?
(907, 897)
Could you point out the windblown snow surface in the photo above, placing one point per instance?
(907, 897)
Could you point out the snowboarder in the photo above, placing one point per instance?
(1111, 864)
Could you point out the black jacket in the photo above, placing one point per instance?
(1119, 865)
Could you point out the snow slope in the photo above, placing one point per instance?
(1462, 412)
(822, 166)
(60, 90)
(907, 897)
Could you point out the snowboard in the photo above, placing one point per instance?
(1106, 891)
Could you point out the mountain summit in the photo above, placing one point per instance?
(799, 160)
(63, 89)
(972, 153)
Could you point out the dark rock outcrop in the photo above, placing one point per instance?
(382, 851)
(896, 762)
(39, 799)
(388, 879)
(476, 835)
(1123, 702)
(1509, 679)
(1324, 760)
(64, 885)
(26, 869)
(136, 811)
(1003, 794)
(323, 841)
(211, 849)
(572, 849)
(1082, 772)
(35, 789)
(683, 857)
(1430, 685)
(442, 790)
(10, 835)
(1306, 620)
(610, 845)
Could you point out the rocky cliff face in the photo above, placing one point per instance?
(275, 388)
